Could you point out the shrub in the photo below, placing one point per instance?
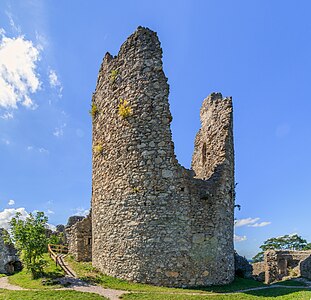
(94, 110)
(125, 109)
(98, 149)
(113, 75)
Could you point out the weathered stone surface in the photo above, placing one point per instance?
(279, 264)
(73, 220)
(259, 271)
(9, 261)
(79, 238)
(242, 267)
(154, 221)
(305, 268)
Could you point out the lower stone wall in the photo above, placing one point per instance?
(79, 237)
(259, 271)
(279, 264)
(305, 268)
(242, 267)
(9, 261)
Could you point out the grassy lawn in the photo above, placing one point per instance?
(47, 295)
(268, 294)
(2, 275)
(87, 272)
(290, 282)
(24, 279)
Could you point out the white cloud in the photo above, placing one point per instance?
(40, 150)
(7, 116)
(6, 141)
(238, 238)
(12, 23)
(55, 83)
(50, 212)
(261, 224)
(7, 214)
(59, 131)
(43, 150)
(11, 202)
(244, 222)
(18, 77)
(29, 104)
(80, 211)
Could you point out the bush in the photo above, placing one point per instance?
(124, 109)
(93, 111)
(98, 149)
(113, 75)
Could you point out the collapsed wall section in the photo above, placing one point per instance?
(152, 221)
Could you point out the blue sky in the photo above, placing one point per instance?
(258, 52)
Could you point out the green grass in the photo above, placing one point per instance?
(267, 294)
(290, 282)
(24, 279)
(87, 272)
(2, 275)
(47, 295)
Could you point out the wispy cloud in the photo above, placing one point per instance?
(7, 116)
(59, 131)
(50, 212)
(80, 211)
(245, 222)
(238, 238)
(55, 82)
(6, 141)
(250, 222)
(15, 27)
(37, 149)
(261, 224)
(43, 150)
(18, 76)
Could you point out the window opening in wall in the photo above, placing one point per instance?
(204, 153)
(89, 241)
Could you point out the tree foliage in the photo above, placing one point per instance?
(29, 238)
(285, 242)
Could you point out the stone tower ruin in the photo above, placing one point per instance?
(153, 221)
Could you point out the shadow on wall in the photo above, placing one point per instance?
(13, 267)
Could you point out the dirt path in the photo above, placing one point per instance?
(81, 286)
(4, 284)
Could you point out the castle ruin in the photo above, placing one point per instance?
(153, 221)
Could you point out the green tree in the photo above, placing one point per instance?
(285, 242)
(29, 238)
(56, 238)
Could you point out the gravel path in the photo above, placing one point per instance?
(81, 286)
(75, 285)
(4, 284)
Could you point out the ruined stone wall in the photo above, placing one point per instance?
(305, 267)
(9, 261)
(278, 263)
(154, 221)
(259, 269)
(79, 237)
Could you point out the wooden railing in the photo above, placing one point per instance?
(58, 253)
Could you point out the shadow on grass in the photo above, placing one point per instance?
(295, 293)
